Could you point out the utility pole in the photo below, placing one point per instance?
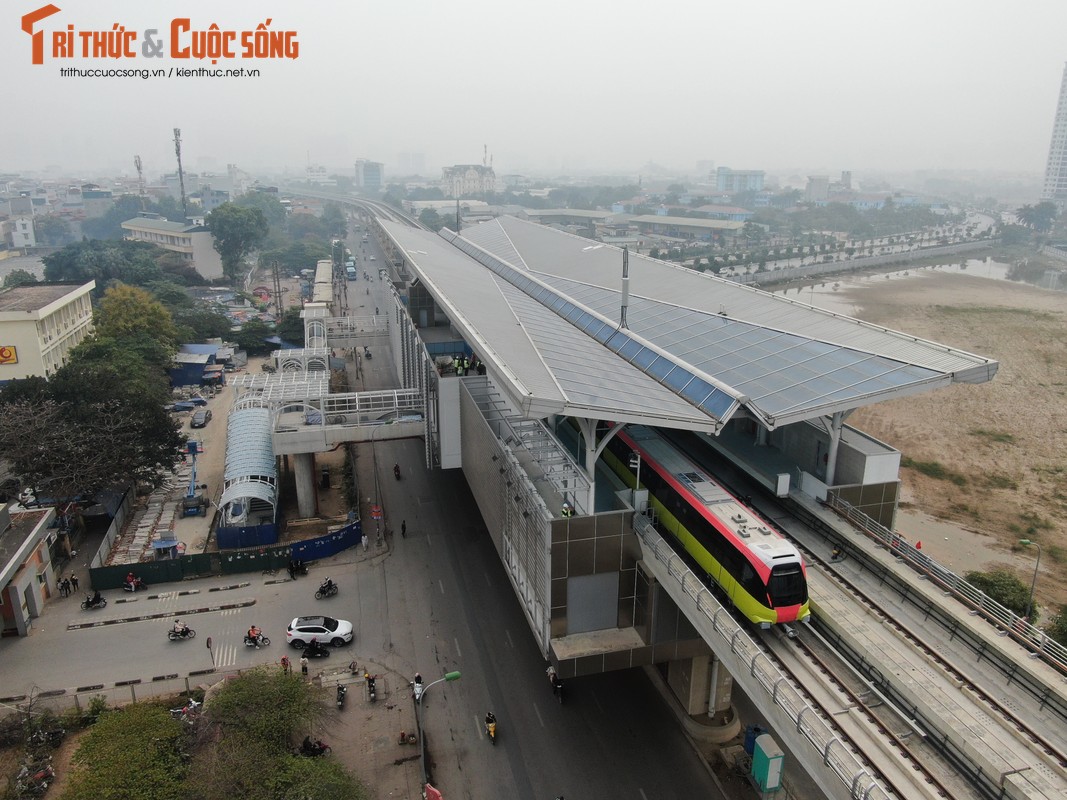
(140, 180)
(181, 174)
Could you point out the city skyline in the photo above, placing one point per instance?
(561, 89)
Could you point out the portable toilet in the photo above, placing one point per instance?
(768, 760)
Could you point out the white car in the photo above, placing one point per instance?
(326, 630)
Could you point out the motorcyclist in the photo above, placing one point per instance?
(553, 678)
(490, 721)
(95, 600)
(396, 471)
(180, 627)
(327, 586)
(837, 553)
(254, 633)
(131, 580)
(313, 647)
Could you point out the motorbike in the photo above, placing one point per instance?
(299, 568)
(372, 690)
(556, 682)
(256, 642)
(89, 603)
(342, 690)
(396, 471)
(314, 748)
(33, 780)
(327, 589)
(186, 633)
(136, 586)
(316, 650)
(188, 712)
(417, 688)
(367, 355)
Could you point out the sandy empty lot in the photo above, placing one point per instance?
(1002, 445)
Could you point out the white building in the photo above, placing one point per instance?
(39, 325)
(193, 242)
(467, 179)
(1056, 168)
(22, 234)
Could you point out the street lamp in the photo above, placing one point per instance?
(448, 676)
(1033, 583)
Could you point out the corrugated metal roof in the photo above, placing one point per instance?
(543, 307)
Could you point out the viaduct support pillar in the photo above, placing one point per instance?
(304, 474)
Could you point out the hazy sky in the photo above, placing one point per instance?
(555, 86)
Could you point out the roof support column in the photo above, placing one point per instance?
(588, 429)
(836, 421)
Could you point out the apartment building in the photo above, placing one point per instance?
(39, 325)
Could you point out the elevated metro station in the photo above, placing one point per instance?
(522, 352)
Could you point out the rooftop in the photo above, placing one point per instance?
(34, 297)
(542, 309)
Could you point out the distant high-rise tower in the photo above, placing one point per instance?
(1056, 169)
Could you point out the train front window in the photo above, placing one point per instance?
(787, 586)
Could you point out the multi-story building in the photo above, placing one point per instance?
(22, 233)
(370, 175)
(193, 242)
(319, 175)
(818, 188)
(1056, 168)
(466, 179)
(738, 180)
(27, 577)
(39, 325)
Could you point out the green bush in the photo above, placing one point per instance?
(132, 752)
(1004, 587)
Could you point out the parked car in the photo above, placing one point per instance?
(184, 405)
(326, 630)
(201, 418)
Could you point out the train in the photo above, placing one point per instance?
(760, 572)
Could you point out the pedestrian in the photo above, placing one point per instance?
(64, 588)
(304, 666)
(404, 528)
(292, 570)
(73, 581)
(287, 667)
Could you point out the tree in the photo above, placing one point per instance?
(109, 225)
(237, 230)
(133, 263)
(432, 220)
(334, 221)
(290, 327)
(251, 337)
(254, 719)
(126, 311)
(19, 277)
(1005, 588)
(1057, 626)
(272, 209)
(53, 230)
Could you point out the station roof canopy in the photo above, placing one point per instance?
(542, 309)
